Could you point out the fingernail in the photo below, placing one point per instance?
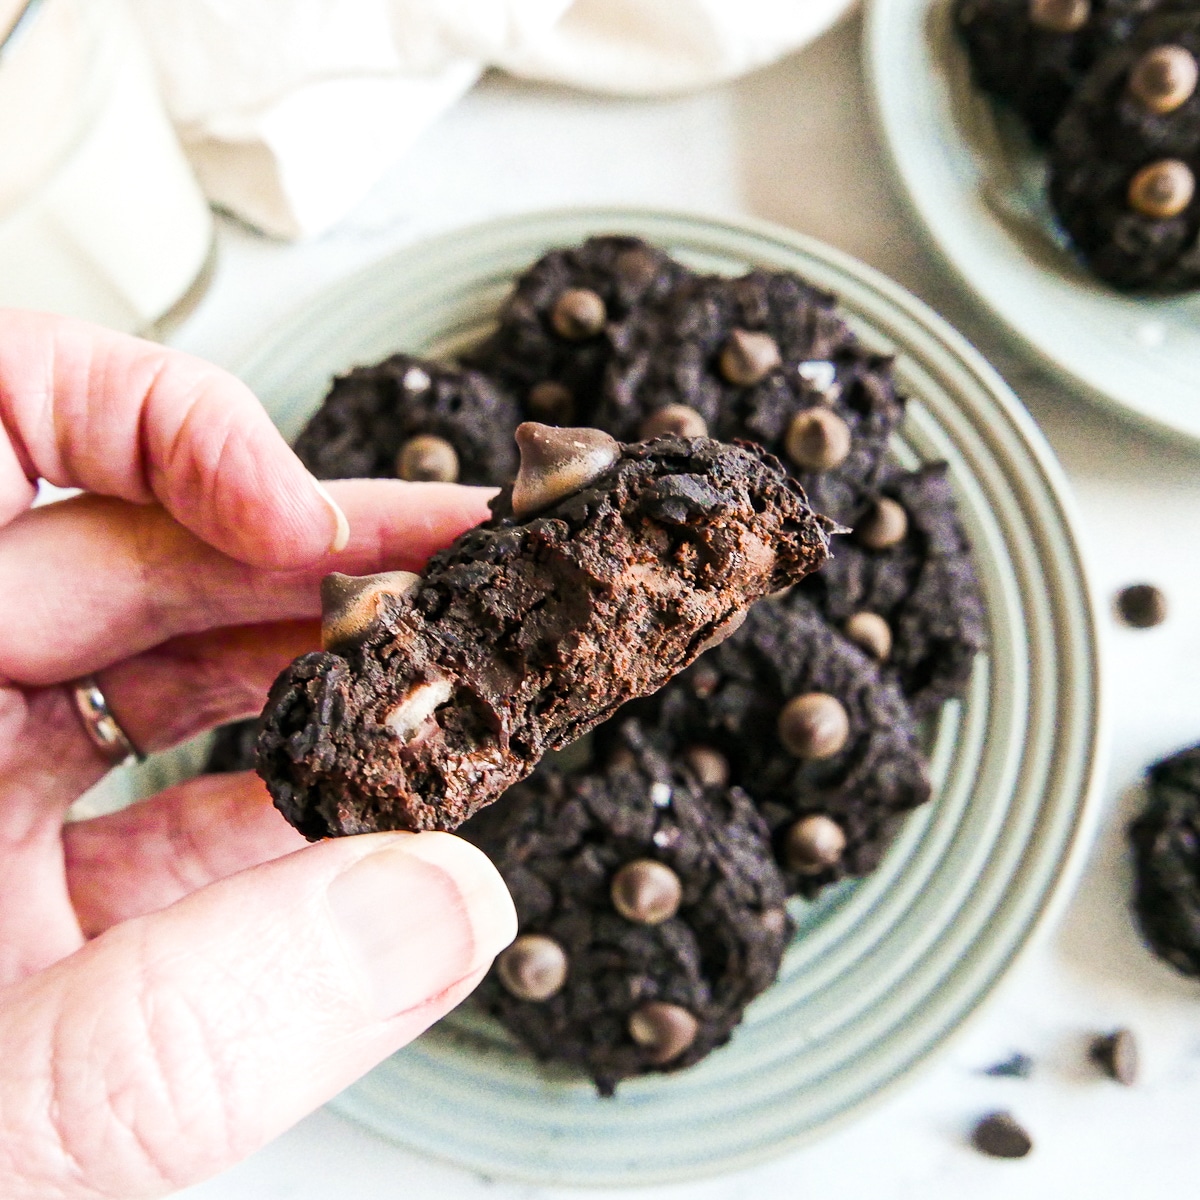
(341, 531)
(418, 915)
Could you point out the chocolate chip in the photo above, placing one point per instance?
(1059, 16)
(1163, 189)
(813, 844)
(871, 634)
(1016, 1066)
(813, 726)
(1163, 78)
(710, 767)
(534, 967)
(665, 1030)
(748, 358)
(646, 891)
(999, 1136)
(678, 420)
(578, 313)
(1141, 605)
(817, 440)
(552, 402)
(1116, 1054)
(426, 458)
(352, 605)
(558, 462)
(884, 526)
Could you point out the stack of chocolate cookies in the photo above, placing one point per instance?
(1110, 87)
(650, 874)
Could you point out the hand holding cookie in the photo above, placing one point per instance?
(185, 938)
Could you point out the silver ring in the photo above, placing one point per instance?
(102, 727)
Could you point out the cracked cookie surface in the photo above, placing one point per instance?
(763, 357)
(826, 746)
(923, 588)
(559, 325)
(657, 903)
(1034, 54)
(388, 420)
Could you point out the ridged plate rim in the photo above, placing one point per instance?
(975, 186)
(883, 971)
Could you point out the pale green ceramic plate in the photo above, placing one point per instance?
(880, 972)
(977, 186)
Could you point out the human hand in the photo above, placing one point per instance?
(181, 981)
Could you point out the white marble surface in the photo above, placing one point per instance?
(794, 144)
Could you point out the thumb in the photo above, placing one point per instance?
(177, 1043)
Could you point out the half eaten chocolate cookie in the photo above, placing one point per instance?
(605, 570)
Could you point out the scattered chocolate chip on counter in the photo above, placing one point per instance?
(1016, 1066)
(1141, 605)
(1116, 1054)
(998, 1135)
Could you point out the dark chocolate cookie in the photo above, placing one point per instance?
(232, 748)
(410, 418)
(825, 745)
(763, 357)
(605, 570)
(1034, 54)
(650, 915)
(903, 588)
(1166, 850)
(557, 328)
(1126, 158)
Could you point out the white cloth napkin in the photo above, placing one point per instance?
(291, 109)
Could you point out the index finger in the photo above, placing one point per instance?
(82, 406)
